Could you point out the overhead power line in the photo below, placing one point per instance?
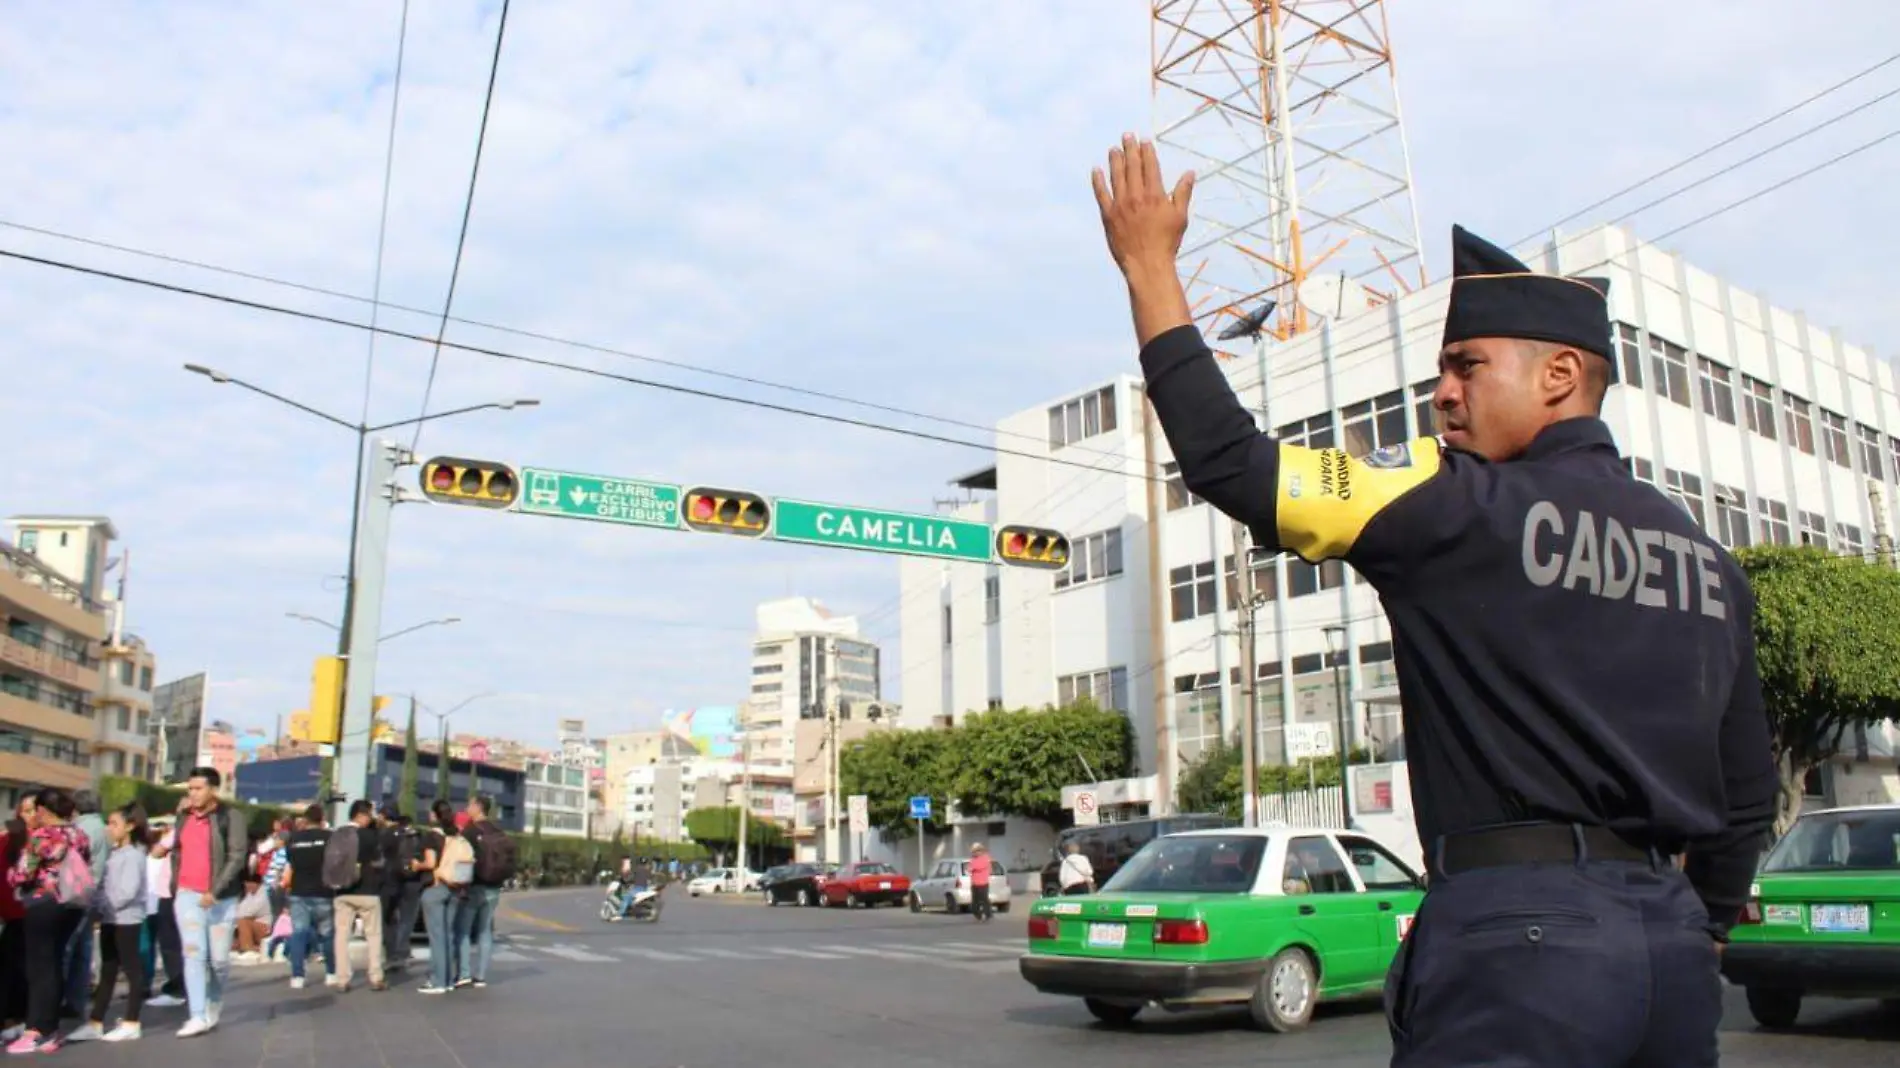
(382, 218)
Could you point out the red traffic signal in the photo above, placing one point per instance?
(1033, 547)
(719, 511)
(482, 483)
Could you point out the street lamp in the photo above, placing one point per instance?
(442, 769)
(1252, 325)
(1336, 645)
(362, 432)
(443, 622)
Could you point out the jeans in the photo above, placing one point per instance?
(627, 894)
(76, 969)
(475, 928)
(163, 926)
(312, 920)
(49, 930)
(438, 915)
(399, 919)
(206, 934)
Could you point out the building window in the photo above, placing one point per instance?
(1800, 424)
(1629, 353)
(1375, 653)
(1266, 581)
(1893, 451)
(1774, 523)
(1669, 362)
(1108, 688)
(1847, 538)
(767, 669)
(1718, 389)
(1871, 461)
(1176, 495)
(1192, 591)
(1374, 424)
(1422, 410)
(1813, 529)
(1097, 556)
(1687, 489)
(1759, 400)
(1834, 436)
(1731, 517)
(992, 598)
(145, 678)
(1303, 578)
(1314, 432)
(29, 541)
(1640, 469)
(1083, 417)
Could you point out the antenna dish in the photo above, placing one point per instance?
(1333, 296)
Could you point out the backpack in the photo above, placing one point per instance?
(340, 867)
(73, 884)
(456, 863)
(408, 847)
(494, 855)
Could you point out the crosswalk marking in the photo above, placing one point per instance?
(576, 953)
(986, 947)
(870, 951)
(805, 953)
(652, 954)
(998, 957)
(724, 954)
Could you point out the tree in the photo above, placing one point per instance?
(539, 849)
(1212, 783)
(411, 768)
(442, 768)
(1827, 646)
(890, 768)
(717, 829)
(1017, 762)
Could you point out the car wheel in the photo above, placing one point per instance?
(1110, 1013)
(807, 898)
(1004, 907)
(916, 903)
(950, 904)
(1284, 998)
(851, 901)
(1774, 1008)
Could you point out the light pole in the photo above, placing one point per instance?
(444, 777)
(1253, 325)
(443, 622)
(362, 432)
(1336, 645)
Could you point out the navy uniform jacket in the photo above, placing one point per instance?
(1570, 645)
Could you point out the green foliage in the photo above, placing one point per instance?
(1212, 783)
(891, 767)
(567, 861)
(117, 791)
(411, 767)
(1017, 761)
(1827, 646)
(717, 829)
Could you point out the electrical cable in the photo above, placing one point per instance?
(461, 239)
(382, 219)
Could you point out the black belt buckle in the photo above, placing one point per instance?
(1535, 843)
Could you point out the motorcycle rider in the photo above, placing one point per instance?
(635, 877)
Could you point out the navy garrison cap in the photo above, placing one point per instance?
(1493, 294)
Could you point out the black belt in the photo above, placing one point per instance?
(1535, 843)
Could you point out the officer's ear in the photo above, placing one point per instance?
(1564, 372)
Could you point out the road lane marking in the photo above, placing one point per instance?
(725, 954)
(885, 953)
(522, 917)
(981, 947)
(651, 954)
(574, 953)
(805, 953)
(980, 967)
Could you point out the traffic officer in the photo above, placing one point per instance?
(1575, 661)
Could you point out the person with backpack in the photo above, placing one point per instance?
(54, 879)
(213, 847)
(76, 964)
(450, 865)
(402, 886)
(311, 904)
(355, 868)
(494, 852)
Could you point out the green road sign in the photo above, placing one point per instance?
(844, 527)
(598, 497)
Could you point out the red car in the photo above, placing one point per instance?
(865, 883)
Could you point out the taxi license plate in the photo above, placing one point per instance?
(1838, 919)
(1107, 935)
(884, 886)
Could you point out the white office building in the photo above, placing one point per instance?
(802, 658)
(1766, 426)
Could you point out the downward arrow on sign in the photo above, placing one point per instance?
(579, 495)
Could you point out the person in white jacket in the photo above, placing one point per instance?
(120, 905)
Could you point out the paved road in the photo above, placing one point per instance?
(724, 984)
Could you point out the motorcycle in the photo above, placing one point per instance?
(645, 907)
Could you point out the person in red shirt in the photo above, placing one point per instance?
(980, 883)
(13, 934)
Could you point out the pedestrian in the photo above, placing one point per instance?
(77, 963)
(54, 878)
(361, 899)
(13, 926)
(311, 904)
(1575, 660)
(450, 865)
(1076, 875)
(207, 880)
(120, 905)
(980, 883)
(161, 920)
(251, 927)
(494, 865)
(402, 890)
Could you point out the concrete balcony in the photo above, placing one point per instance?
(48, 664)
(43, 592)
(22, 707)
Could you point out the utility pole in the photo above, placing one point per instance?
(1250, 672)
(1883, 541)
(745, 785)
(364, 626)
(834, 844)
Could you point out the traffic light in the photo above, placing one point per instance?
(482, 483)
(719, 511)
(326, 699)
(1033, 547)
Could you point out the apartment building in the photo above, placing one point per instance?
(804, 659)
(49, 673)
(122, 744)
(1765, 426)
(556, 797)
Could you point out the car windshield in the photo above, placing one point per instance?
(1202, 864)
(1840, 841)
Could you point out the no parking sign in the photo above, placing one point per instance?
(1086, 814)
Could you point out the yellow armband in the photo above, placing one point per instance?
(1326, 497)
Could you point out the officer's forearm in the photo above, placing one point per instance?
(1223, 457)
(1157, 299)
(1721, 871)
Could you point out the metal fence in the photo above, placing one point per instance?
(1304, 808)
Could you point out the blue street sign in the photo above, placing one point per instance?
(920, 808)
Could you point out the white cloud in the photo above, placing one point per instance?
(875, 200)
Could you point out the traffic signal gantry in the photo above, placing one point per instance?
(742, 513)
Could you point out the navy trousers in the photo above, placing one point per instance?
(1588, 964)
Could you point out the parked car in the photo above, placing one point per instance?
(1823, 917)
(723, 881)
(866, 883)
(1278, 919)
(1109, 845)
(947, 887)
(797, 884)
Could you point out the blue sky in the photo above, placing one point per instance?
(879, 200)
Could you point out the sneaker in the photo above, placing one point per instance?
(160, 1001)
(332, 980)
(193, 1028)
(27, 1042)
(296, 983)
(481, 984)
(431, 988)
(12, 1033)
(88, 1032)
(125, 1032)
(460, 983)
(212, 1012)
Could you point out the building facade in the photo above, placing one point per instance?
(1764, 426)
(658, 796)
(623, 753)
(291, 781)
(556, 798)
(178, 725)
(122, 744)
(804, 660)
(49, 675)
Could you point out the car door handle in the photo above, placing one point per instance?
(1306, 910)
(1385, 906)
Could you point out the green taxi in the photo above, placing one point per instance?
(1275, 918)
(1823, 916)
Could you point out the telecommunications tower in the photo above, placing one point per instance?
(1288, 112)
